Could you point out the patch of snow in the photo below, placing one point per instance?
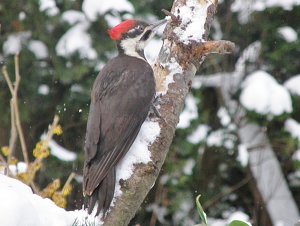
(261, 93)
(249, 54)
(280, 223)
(34, 210)
(152, 50)
(43, 89)
(215, 138)
(293, 85)
(112, 20)
(13, 44)
(174, 68)
(93, 8)
(293, 127)
(76, 88)
(22, 15)
(189, 113)
(59, 151)
(288, 33)
(243, 155)
(160, 212)
(38, 48)
(199, 134)
(138, 153)
(223, 116)
(229, 143)
(73, 16)
(218, 34)
(21, 167)
(188, 167)
(183, 210)
(193, 16)
(164, 179)
(238, 215)
(76, 39)
(49, 7)
(296, 156)
(245, 8)
(216, 222)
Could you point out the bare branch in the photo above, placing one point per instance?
(16, 110)
(7, 79)
(13, 131)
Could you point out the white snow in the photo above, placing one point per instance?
(59, 151)
(193, 17)
(13, 44)
(215, 138)
(238, 215)
(223, 116)
(288, 34)
(296, 157)
(22, 15)
(160, 212)
(112, 20)
(76, 39)
(76, 88)
(189, 113)
(173, 67)
(185, 206)
(21, 167)
(138, 153)
(19, 206)
(73, 16)
(246, 7)
(261, 93)
(293, 127)
(188, 167)
(49, 6)
(243, 155)
(293, 85)
(199, 134)
(38, 48)
(93, 8)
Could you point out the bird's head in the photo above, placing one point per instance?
(133, 35)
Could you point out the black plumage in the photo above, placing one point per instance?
(120, 101)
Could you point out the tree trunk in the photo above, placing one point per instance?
(178, 62)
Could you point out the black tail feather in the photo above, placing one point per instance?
(103, 194)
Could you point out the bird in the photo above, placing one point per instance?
(121, 97)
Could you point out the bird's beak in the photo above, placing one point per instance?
(151, 29)
(157, 24)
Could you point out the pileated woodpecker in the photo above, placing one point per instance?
(120, 101)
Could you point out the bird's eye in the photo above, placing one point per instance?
(140, 28)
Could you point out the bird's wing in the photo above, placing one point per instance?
(114, 121)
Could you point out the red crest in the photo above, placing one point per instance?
(116, 32)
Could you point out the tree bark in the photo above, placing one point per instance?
(186, 58)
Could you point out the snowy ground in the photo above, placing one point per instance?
(19, 206)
